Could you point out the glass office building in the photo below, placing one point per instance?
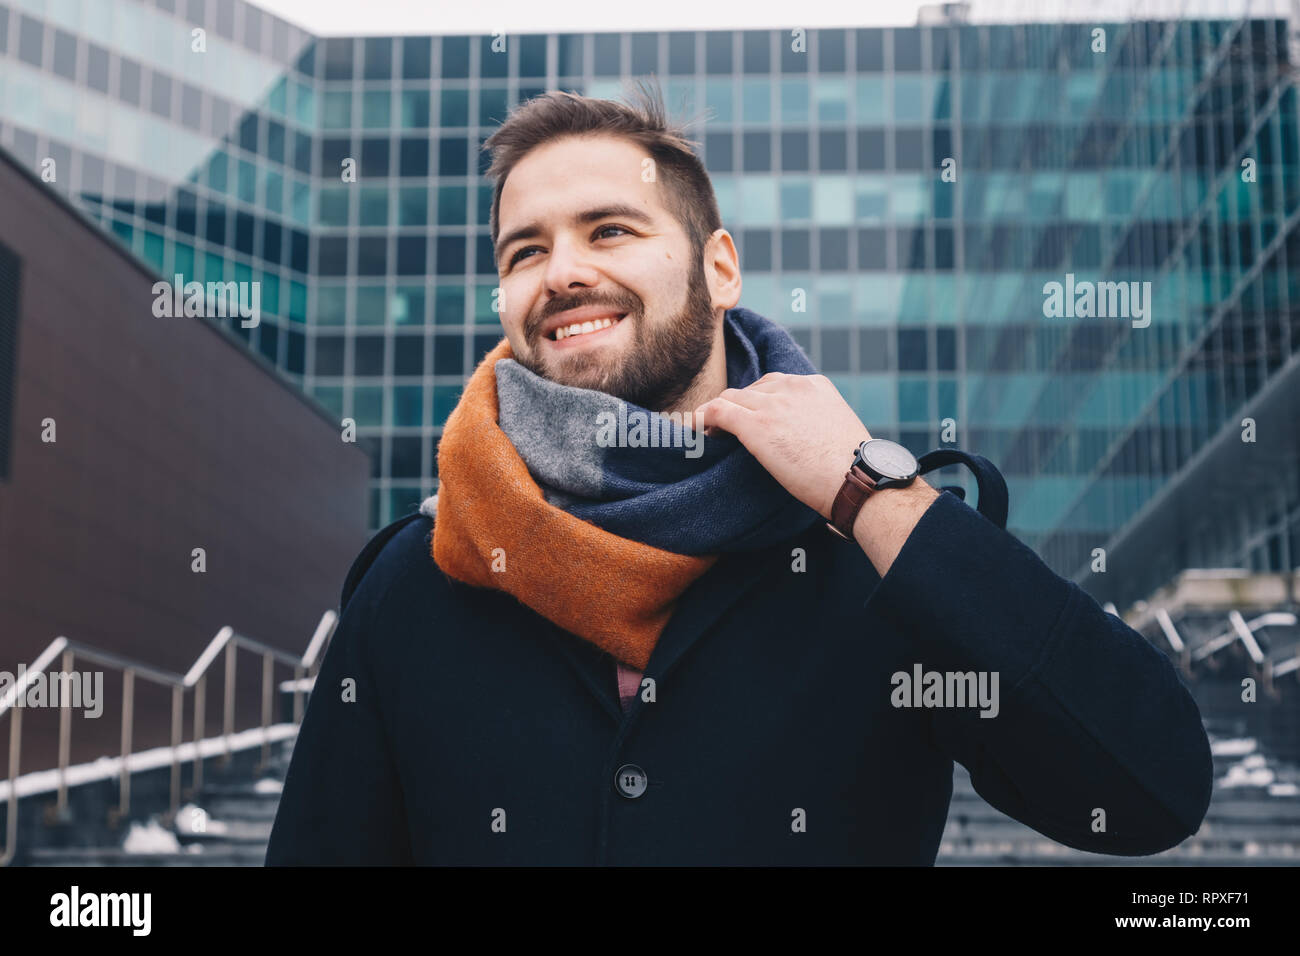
(900, 199)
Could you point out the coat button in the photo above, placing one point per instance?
(630, 781)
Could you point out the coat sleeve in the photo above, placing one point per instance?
(342, 800)
(1091, 717)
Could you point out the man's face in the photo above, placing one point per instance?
(601, 287)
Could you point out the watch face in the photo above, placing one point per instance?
(888, 458)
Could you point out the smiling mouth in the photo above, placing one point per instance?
(584, 328)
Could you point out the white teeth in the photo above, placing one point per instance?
(582, 328)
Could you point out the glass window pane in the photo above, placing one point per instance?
(832, 200)
(406, 307)
(726, 190)
(330, 305)
(757, 101)
(758, 202)
(412, 206)
(336, 107)
(871, 198)
(247, 182)
(451, 205)
(368, 405)
(832, 97)
(408, 405)
(873, 99)
(913, 400)
(297, 302)
(304, 104)
(370, 305)
(483, 301)
(331, 396)
(794, 100)
(491, 106)
(374, 206)
(449, 305)
(796, 199)
(909, 105)
(415, 109)
(909, 196)
(376, 109)
(445, 398)
(334, 206)
(719, 96)
(455, 107)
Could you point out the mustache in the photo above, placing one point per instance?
(630, 304)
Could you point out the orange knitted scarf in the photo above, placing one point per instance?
(495, 529)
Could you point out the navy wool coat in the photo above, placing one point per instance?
(479, 733)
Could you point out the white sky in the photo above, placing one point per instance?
(393, 17)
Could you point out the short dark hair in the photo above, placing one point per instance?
(687, 190)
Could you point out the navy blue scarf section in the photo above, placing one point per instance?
(640, 474)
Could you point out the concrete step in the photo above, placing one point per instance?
(224, 855)
(252, 790)
(1217, 832)
(231, 831)
(233, 808)
(1087, 859)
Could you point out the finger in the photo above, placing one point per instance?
(749, 397)
(768, 385)
(722, 413)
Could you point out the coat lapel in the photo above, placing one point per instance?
(594, 667)
(706, 600)
(697, 610)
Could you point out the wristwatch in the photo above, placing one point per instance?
(877, 464)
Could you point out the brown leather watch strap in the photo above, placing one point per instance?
(853, 494)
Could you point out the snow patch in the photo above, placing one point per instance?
(192, 818)
(151, 837)
(1233, 747)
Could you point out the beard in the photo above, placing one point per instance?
(659, 365)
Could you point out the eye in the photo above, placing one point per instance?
(519, 254)
(602, 229)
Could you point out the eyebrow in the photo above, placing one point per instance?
(534, 229)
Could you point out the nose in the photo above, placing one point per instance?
(568, 267)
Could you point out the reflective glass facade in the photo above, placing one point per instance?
(900, 198)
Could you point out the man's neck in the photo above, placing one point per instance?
(711, 381)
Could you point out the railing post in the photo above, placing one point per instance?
(177, 713)
(11, 811)
(65, 744)
(228, 710)
(298, 674)
(268, 670)
(128, 715)
(200, 713)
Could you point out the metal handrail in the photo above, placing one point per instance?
(196, 678)
(1239, 627)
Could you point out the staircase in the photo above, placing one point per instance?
(228, 823)
(1253, 819)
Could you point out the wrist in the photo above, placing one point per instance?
(889, 515)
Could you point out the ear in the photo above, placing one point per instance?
(722, 270)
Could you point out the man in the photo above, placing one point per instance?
(617, 637)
